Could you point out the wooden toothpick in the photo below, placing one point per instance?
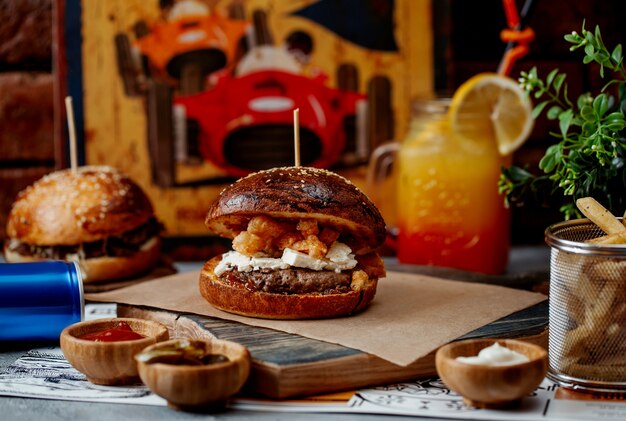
(296, 135)
(72, 133)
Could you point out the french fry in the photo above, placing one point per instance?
(600, 216)
(619, 238)
(596, 347)
(593, 296)
(593, 372)
(589, 284)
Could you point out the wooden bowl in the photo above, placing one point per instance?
(109, 363)
(488, 386)
(198, 388)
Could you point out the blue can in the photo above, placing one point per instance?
(40, 299)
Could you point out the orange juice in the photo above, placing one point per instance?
(449, 212)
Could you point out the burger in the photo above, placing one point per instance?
(304, 246)
(95, 215)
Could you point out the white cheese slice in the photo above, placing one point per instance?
(338, 258)
(268, 263)
(301, 260)
(232, 260)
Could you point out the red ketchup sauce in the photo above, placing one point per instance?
(121, 332)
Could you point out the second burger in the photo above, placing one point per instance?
(96, 216)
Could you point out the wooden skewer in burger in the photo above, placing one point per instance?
(304, 246)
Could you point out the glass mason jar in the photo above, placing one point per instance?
(448, 209)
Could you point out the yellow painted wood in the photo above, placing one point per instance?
(116, 127)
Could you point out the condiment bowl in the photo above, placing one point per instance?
(109, 363)
(197, 388)
(490, 386)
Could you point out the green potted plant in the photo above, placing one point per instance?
(590, 155)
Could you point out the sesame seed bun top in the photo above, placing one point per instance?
(68, 208)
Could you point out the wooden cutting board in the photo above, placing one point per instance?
(287, 365)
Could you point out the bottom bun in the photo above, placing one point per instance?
(107, 268)
(240, 300)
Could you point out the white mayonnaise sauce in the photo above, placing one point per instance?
(495, 354)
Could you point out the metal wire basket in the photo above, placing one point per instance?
(587, 318)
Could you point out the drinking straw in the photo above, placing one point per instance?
(517, 32)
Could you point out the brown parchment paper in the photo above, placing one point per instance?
(411, 315)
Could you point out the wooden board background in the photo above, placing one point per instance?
(287, 365)
(115, 124)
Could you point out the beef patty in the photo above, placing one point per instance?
(125, 244)
(290, 281)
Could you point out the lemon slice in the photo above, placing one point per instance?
(492, 108)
